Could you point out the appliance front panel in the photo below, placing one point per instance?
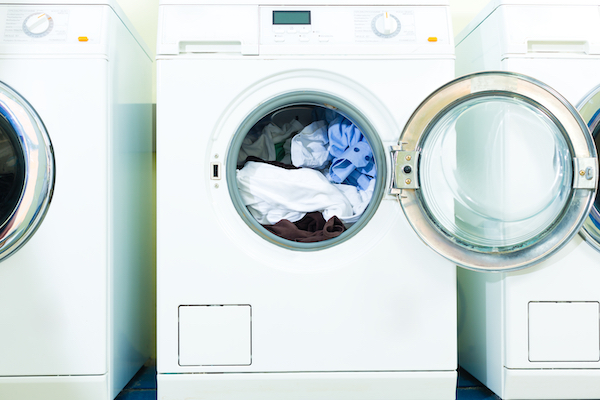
(361, 305)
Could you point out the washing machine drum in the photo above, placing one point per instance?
(26, 171)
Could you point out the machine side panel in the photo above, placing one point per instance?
(480, 326)
(131, 226)
(480, 50)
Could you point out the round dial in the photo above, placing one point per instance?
(386, 25)
(38, 25)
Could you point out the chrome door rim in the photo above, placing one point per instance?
(589, 108)
(574, 130)
(38, 186)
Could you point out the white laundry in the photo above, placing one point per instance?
(359, 199)
(273, 193)
(262, 145)
(310, 148)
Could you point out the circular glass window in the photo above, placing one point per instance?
(305, 171)
(12, 169)
(495, 172)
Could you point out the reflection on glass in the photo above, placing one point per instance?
(495, 172)
(12, 170)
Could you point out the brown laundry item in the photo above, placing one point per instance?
(275, 163)
(311, 228)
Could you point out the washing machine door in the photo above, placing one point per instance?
(495, 171)
(26, 171)
(589, 108)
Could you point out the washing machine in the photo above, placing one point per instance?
(247, 306)
(76, 272)
(534, 334)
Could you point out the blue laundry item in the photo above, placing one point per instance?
(353, 162)
(342, 134)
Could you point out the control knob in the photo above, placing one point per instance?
(38, 25)
(386, 25)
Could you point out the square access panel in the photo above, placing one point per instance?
(564, 331)
(215, 335)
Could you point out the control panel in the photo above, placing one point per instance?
(51, 24)
(341, 30)
(337, 28)
(336, 25)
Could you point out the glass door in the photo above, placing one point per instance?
(495, 171)
(26, 171)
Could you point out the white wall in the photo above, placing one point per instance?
(144, 16)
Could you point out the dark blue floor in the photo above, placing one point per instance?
(470, 388)
(143, 386)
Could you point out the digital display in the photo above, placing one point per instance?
(291, 17)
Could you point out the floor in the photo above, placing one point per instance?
(143, 386)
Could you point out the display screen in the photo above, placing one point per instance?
(291, 17)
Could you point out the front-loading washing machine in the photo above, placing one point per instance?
(272, 285)
(76, 269)
(535, 334)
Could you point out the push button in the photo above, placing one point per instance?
(279, 39)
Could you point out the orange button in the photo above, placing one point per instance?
(432, 39)
(83, 38)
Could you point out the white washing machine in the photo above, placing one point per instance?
(534, 334)
(76, 177)
(370, 312)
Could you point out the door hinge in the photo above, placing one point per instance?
(404, 165)
(585, 171)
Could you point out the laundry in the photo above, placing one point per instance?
(262, 144)
(311, 228)
(353, 161)
(359, 199)
(272, 193)
(310, 148)
(279, 164)
(338, 170)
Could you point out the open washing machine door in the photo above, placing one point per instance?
(495, 171)
(589, 108)
(26, 171)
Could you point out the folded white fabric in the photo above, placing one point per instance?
(310, 148)
(273, 193)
